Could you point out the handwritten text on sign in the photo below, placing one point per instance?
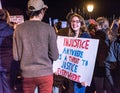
(76, 58)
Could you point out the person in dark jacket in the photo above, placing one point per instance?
(99, 78)
(112, 64)
(6, 57)
(76, 28)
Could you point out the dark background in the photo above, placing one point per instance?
(60, 8)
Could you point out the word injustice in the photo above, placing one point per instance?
(77, 43)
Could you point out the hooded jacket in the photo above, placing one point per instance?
(6, 34)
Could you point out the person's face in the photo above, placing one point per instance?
(106, 24)
(98, 27)
(75, 23)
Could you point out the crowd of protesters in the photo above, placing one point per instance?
(107, 33)
(28, 51)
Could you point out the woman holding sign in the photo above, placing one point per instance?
(76, 28)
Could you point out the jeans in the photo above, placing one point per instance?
(44, 84)
(4, 82)
(79, 89)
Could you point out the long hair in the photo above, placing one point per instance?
(83, 27)
(4, 15)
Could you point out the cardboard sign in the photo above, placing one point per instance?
(17, 19)
(76, 58)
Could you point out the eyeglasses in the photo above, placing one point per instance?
(75, 21)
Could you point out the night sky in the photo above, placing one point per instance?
(60, 8)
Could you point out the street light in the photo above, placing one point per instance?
(90, 8)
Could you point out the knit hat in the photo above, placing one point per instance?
(35, 5)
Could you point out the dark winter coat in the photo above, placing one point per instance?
(6, 34)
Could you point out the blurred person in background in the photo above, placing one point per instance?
(115, 27)
(112, 62)
(35, 46)
(91, 25)
(6, 55)
(99, 77)
(92, 29)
